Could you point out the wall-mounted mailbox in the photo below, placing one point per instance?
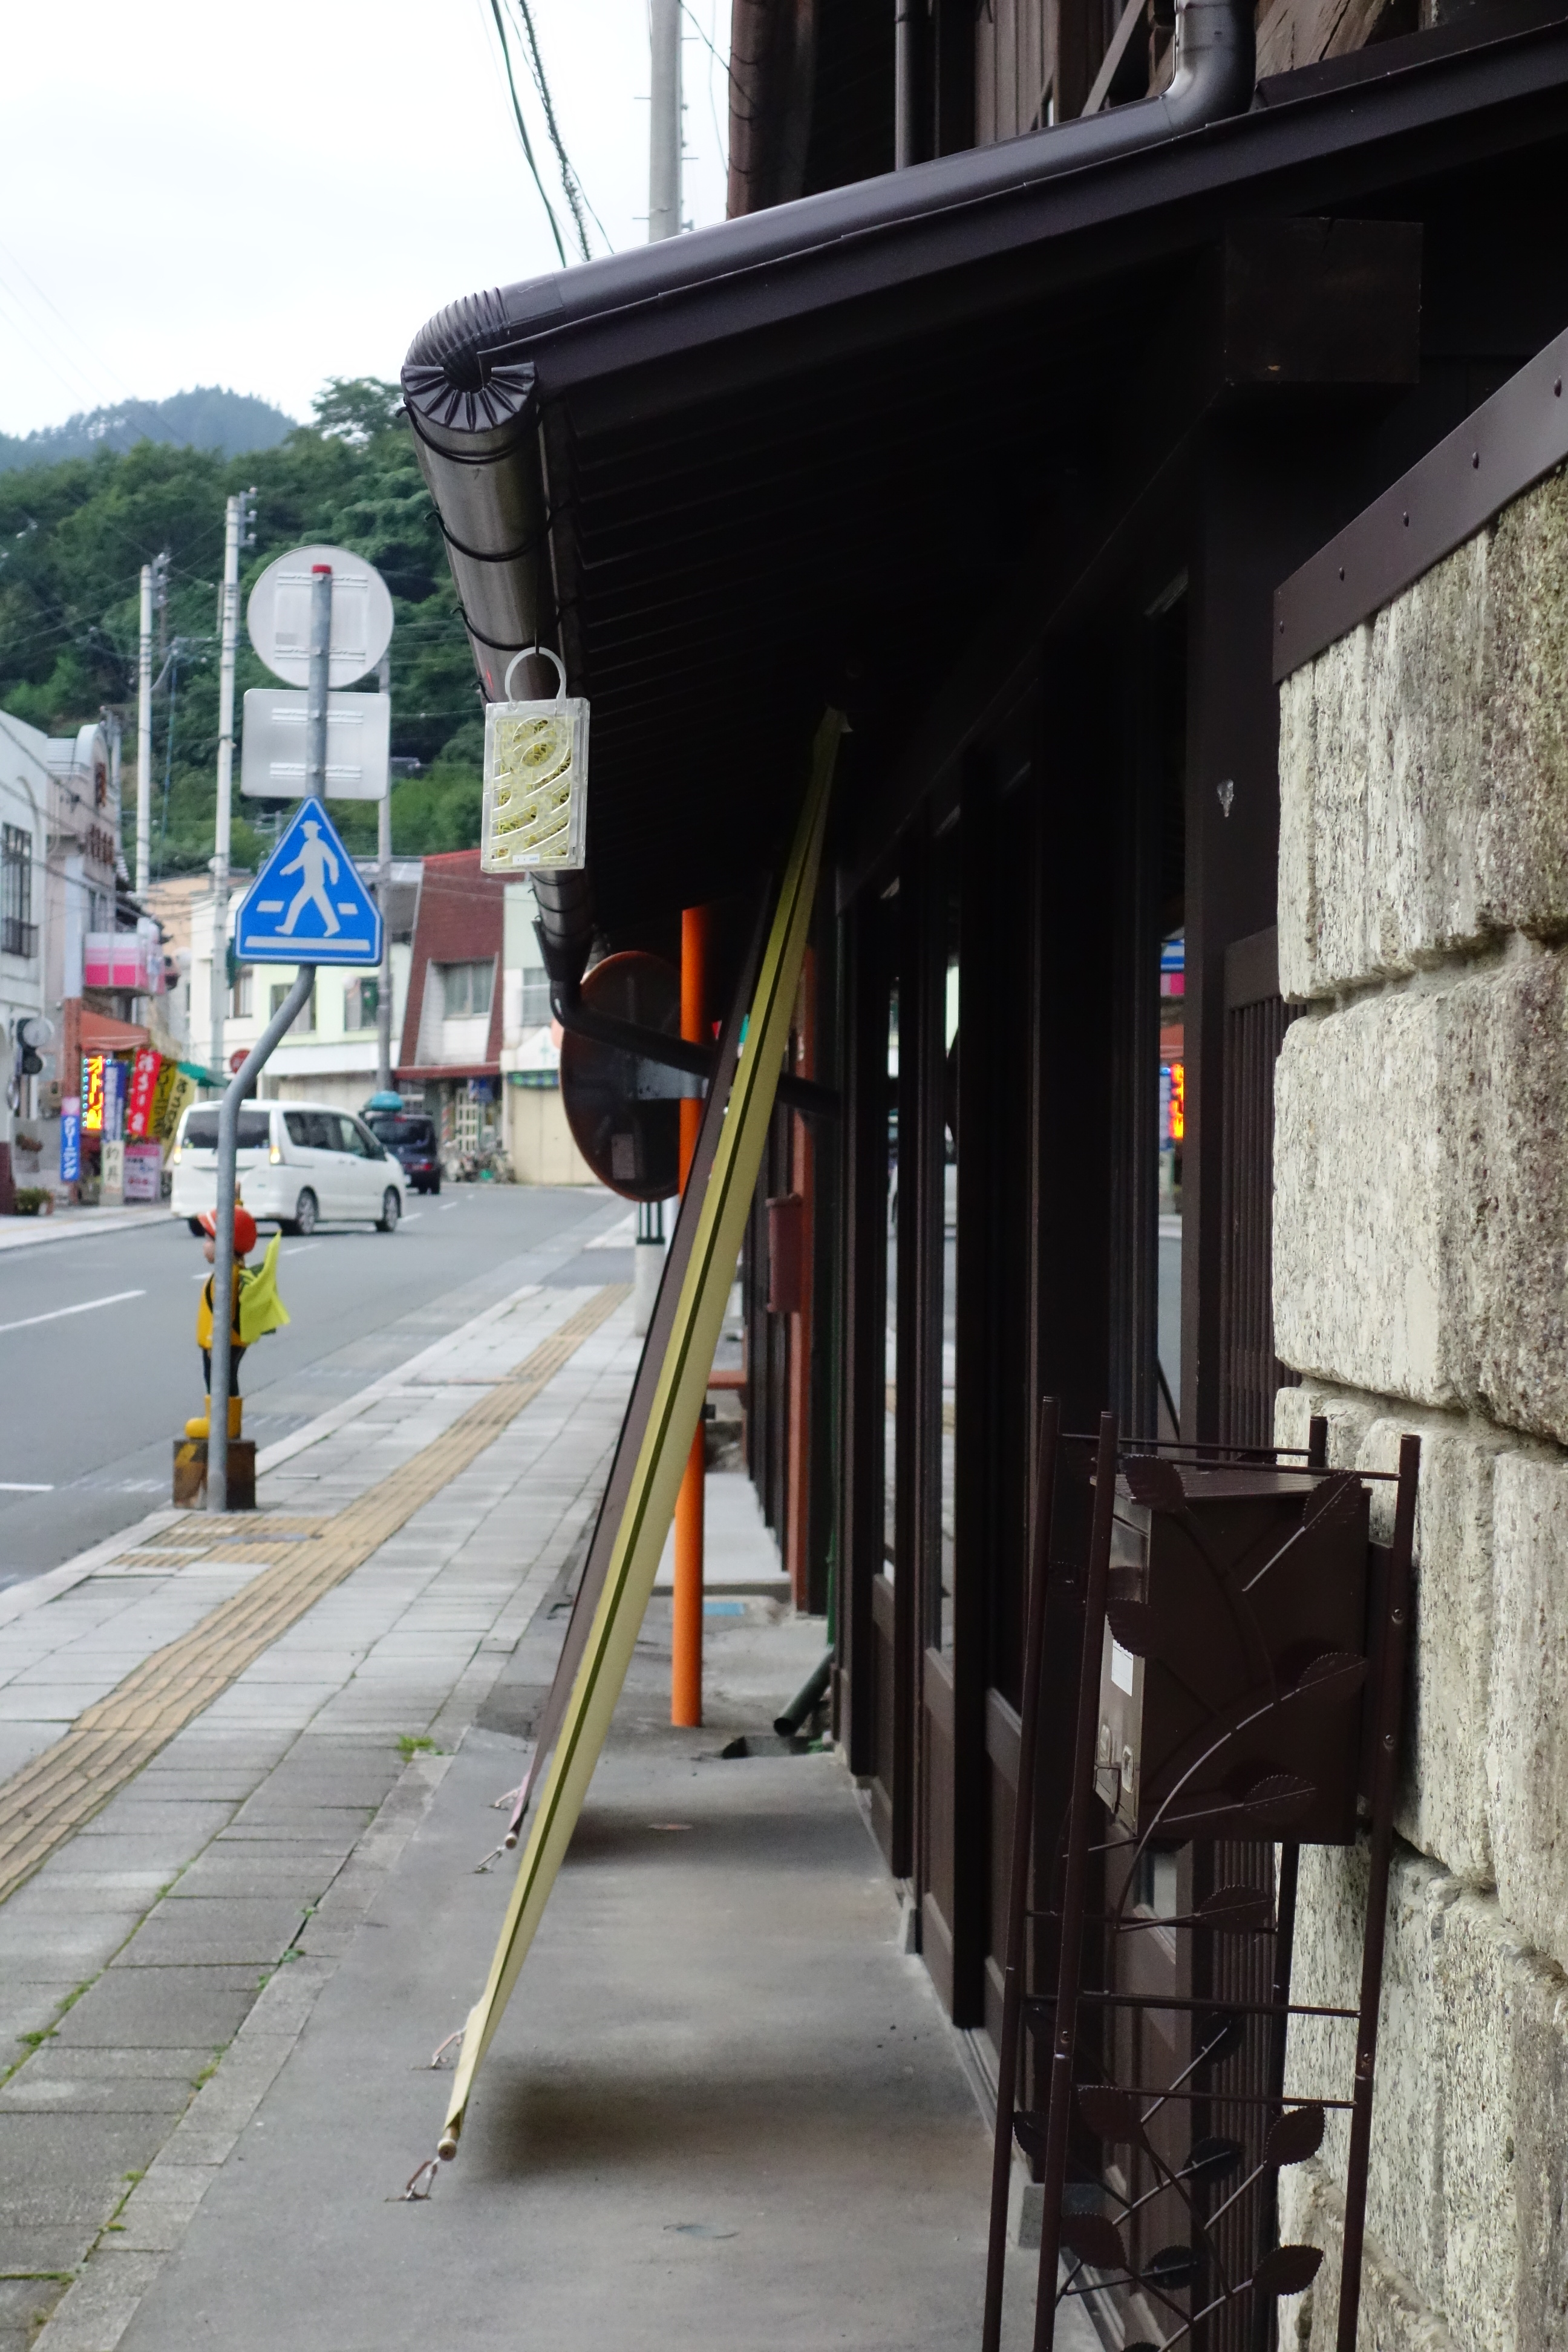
(1233, 1653)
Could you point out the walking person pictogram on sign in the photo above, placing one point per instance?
(308, 904)
(317, 866)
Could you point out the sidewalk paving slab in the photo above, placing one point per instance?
(725, 2110)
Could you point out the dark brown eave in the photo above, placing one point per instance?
(728, 435)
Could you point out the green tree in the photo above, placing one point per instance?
(74, 536)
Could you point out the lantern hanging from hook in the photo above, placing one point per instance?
(536, 777)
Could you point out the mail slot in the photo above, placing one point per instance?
(1234, 1655)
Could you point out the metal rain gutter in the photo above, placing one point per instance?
(472, 396)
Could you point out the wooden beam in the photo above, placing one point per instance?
(1127, 25)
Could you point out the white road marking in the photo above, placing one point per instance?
(24, 1486)
(299, 1252)
(412, 1216)
(448, 1206)
(55, 1313)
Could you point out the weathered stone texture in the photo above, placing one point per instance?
(1523, 848)
(1392, 2317)
(1421, 1194)
(1424, 765)
(1528, 1742)
(1468, 2200)
(1448, 1773)
(1359, 1206)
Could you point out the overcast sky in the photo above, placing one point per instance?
(262, 196)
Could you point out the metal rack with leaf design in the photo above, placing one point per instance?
(1239, 1643)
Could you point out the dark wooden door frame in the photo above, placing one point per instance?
(866, 958)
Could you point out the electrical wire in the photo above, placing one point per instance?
(720, 142)
(128, 398)
(576, 197)
(523, 132)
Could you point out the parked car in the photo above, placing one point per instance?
(299, 1165)
(413, 1142)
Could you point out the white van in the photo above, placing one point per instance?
(299, 1165)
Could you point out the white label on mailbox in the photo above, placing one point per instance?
(1121, 1666)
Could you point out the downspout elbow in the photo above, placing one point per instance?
(1216, 64)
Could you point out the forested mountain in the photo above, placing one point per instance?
(207, 418)
(75, 535)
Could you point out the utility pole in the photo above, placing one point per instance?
(664, 121)
(236, 534)
(383, 893)
(161, 602)
(144, 738)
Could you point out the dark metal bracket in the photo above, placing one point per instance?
(680, 1055)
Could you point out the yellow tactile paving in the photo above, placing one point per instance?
(108, 1743)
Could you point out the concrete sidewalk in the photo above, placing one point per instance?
(72, 1224)
(132, 1957)
(725, 2104)
(725, 2110)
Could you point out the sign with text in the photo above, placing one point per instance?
(145, 1072)
(144, 1171)
(71, 1140)
(92, 1093)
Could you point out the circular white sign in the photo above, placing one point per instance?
(279, 616)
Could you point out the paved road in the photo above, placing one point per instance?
(97, 1360)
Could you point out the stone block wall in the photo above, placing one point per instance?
(1420, 1282)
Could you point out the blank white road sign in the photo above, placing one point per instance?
(272, 748)
(279, 616)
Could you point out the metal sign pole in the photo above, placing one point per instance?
(383, 893)
(275, 1029)
(320, 661)
(278, 1027)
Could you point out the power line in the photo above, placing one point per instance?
(575, 196)
(128, 398)
(523, 132)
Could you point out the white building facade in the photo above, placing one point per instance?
(331, 1054)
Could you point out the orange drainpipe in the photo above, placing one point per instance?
(685, 1656)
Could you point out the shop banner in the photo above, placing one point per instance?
(92, 1093)
(111, 1176)
(181, 1093)
(70, 1140)
(114, 1077)
(160, 1120)
(146, 1072)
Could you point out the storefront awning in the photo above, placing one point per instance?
(101, 1035)
(804, 454)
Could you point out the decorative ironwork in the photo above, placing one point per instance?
(1240, 1675)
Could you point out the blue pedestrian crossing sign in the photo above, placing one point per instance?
(308, 904)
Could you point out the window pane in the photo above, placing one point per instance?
(254, 1132)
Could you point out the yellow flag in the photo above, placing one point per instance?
(672, 1423)
(260, 1308)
